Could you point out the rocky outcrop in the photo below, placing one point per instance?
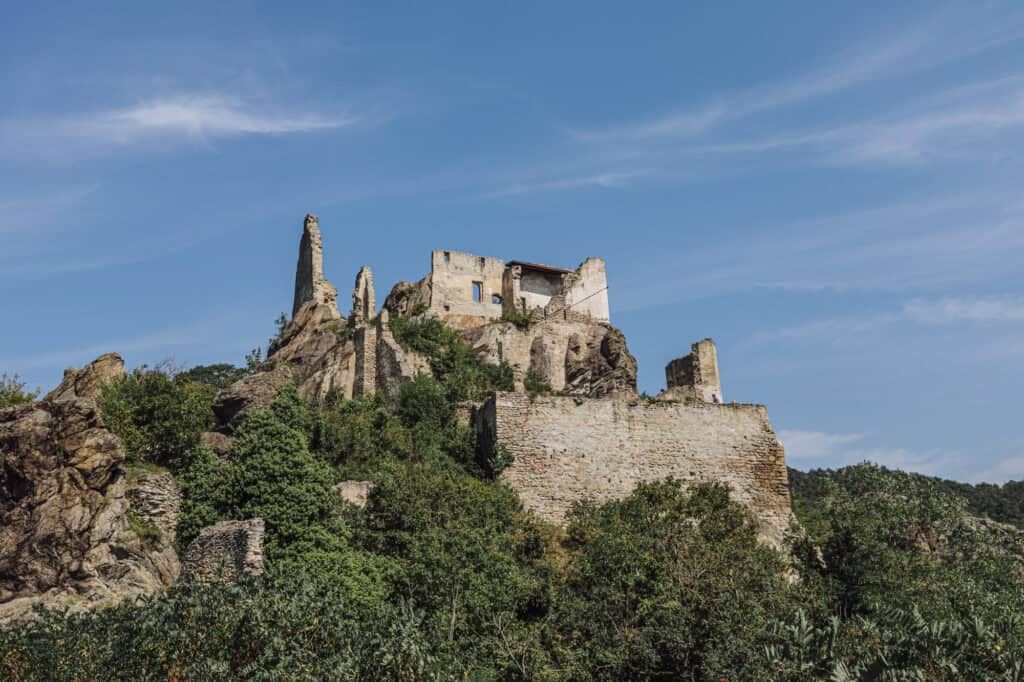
(86, 382)
(580, 357)
(598, 364)
(225, 551)
(354, 492)
(70, 531)
(253, 392)
(310, 284)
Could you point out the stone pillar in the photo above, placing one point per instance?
(364, 298)
(310, 284)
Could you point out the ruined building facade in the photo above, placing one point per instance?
(594, 438)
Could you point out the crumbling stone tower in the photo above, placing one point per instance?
(310, 284)
(695, 376)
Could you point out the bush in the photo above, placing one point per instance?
(12, 391)
(358, 437)
(218, 376)
(158, 417)
(666, 585)
(453, 362)
(282, 625)
(465, 553)
(522, 319)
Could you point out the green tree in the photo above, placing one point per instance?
(12, 391)
(465, 553)
(666, 585)
(218, 376)
(158, 417)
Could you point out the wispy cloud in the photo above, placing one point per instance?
(196, 116)
(956, 32)
(956, 309)
(802, 445)
(833, 450)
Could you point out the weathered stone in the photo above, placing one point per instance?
(579, 356)
(310, 285)
(87, 382)
(218, 442)
(253, 392)
(364, 299)
(69, 535)
(571, 449)
(355, 492)
(695, 376)
(225, 551)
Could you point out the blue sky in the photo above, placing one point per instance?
(830, 192)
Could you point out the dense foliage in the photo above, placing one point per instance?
(444, 576)
(158, 414)
(1004, 503)
(12, 391)
(454, 363)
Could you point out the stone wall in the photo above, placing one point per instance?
(695, 376)
(586, 291)
(453, 274)
(567, 449)
(225, 551)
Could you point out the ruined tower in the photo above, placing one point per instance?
(696, 375)
(310, 284)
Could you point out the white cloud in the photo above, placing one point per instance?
(956, 309)
(1009, 469)
(815, 444)
(833, 450)
(195, 116)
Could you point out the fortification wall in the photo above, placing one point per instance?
(453, 276)
(586, 291)
(569, 449)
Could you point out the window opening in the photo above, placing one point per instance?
(478, 288)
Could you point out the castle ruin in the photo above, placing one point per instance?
(593, 438)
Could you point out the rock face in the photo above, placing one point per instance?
(310, 285)
(86, 382)
(70, 533)
(225, 551)
(581, 357)
(354, 492)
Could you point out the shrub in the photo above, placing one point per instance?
(452, 361)
(159, 418)
(522, 319)
(465, 553)
(666, 585)
(218, 376)
(12, 391)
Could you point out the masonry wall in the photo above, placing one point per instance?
(586, 292)
(452, 276)
(569, 449)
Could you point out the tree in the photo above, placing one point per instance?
(465, 553)
(12, 391)
(158, 417)
(666, 585)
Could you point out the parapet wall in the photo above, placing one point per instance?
(569, 449)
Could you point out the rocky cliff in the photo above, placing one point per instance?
(75, 529)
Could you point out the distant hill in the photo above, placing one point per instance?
(1003, 503)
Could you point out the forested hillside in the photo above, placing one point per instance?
(444, 576)
(1003, 503)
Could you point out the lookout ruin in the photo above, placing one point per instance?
(592, 437)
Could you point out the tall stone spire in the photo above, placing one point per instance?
(310, 284)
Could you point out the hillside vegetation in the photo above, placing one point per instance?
(1003, 503)
(443, 575)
